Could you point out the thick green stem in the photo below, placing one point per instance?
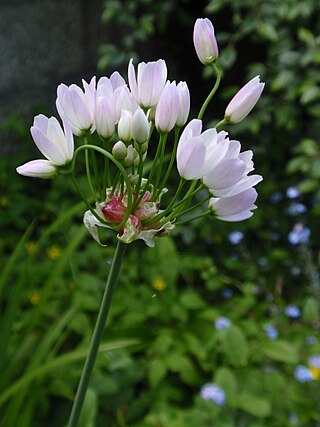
(97, 334)
(213, 91)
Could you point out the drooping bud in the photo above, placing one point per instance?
(204, 40)
(244, 101)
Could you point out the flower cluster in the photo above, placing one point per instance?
(117, 123)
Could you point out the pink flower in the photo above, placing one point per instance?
(204, 40)
(244, 101)
(147, 86)
(54, 143)
(184, 103)
(78, 106)
(195, 150)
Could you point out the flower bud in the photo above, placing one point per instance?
(131, 156)
(119, 150)
(204, 40)
(167, 108)
(244, 101)
(140, 127)
(184, 103)
(124, 126)
(105, 117)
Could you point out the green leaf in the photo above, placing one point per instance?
(225, 378)
(157, 371)
(267, 31)
(191, 300)
(281, 351)
(310, 311)
(255, 406)
(235, 346)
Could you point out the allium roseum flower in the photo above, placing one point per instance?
(204, 40)
(214, 393)
(107, 94)
(78, 106)
(53, 142)
(147, 86)
(244, 100)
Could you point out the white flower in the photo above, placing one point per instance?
(54, 143)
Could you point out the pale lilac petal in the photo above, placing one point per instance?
(76, 109)
(228, 206)
(237, 217)
(48, 148)
(132, 80)
(116, 80)
(226, 173)
(37, 169)
(105, 118)
(184, 103)
(191, 159)
(239, 187)
(167, 108)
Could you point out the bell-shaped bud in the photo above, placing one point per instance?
(167, 108)
(204, 40)
(119, 150)
(244, 101)
(140, 127)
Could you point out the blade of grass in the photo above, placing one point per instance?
(59, 362)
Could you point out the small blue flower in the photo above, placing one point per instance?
(299, 234)
(235, 237)
(276, 197)
(292, 311)
(227, 293)
(271, 331)
(302, 374)
(213, 392)
(297, 209)
(314, 361)
(293, 192)
(222, 323)
(311, 340)
(293, 419)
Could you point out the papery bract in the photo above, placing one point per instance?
(151, 77)
(244, 100)
(167, 108)
(78, 106)
(204, 40)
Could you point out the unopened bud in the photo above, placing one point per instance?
(119, 150)
(204, 40)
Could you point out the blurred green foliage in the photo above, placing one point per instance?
(163, 340)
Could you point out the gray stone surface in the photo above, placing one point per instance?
(44, 43)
